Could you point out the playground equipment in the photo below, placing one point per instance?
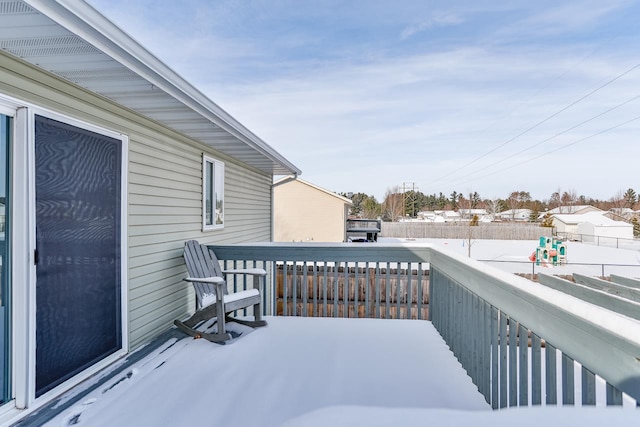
(550, 250)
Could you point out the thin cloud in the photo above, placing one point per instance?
(439, 21)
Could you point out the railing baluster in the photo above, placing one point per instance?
(419, 298)
(285, 290)
(367, 292)
(294, 270)
(524, 366)
(486, 351)
(345, 291)
(409, 292)
(314, 288)
(325, 288)
(244, 284)
(378, 296)
(496, 331)
(398, 291)
(235, 284)
(387, 291)
(458, 308)
(536, 370)
(513, 362)
(475, 336)
(568, 385)
(503, 360)
(304, 289)
(356, 289)
(336, 295)
(588, 387)
(551, 377)
(467, 348)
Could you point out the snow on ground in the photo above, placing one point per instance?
(291, 367)
(513, 256)
(339, 416)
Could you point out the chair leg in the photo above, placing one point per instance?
(250, 323)
(221, 318)
(197, 334)
(257, 312)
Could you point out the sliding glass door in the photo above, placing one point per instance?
(78, 250)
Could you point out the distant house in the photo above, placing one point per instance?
(429, 216)
(575, 210)
(514, 215)
(304, 212)
(567, 223)
(589, 226)
(596, 226)
(469, 213)
(622, 214)
(449, 216)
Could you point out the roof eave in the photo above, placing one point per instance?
(83, 20)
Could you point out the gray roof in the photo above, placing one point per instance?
(71, 39)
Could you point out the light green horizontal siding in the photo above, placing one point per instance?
(164, 196)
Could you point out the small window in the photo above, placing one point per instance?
(212, 193)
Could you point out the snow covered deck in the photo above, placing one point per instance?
(286, 370)
(303, 372)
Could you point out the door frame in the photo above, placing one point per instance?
(24, 244)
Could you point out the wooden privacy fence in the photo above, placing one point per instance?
(462, 230)
(322, 290)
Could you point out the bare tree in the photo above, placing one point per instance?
(618, 200)
(464, 207)
(569, 198)
(474, 222)
(493, 207)
(554, 200)
(393, 203)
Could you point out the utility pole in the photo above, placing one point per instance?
(412, 199)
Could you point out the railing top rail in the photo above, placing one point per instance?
(325, 252)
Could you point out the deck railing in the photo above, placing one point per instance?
(518, 340)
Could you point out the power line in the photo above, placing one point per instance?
(554, 136)
(561, 147)
(529, 129)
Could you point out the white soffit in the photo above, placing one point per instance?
(74, 41)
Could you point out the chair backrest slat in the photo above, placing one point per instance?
(201, 262)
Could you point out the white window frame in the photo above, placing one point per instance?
(216, 192)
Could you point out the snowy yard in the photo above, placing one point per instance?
(513, 256)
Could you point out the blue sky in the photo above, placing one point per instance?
(486, 96)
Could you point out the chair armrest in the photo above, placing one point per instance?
(251, 271)
(214, 280)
